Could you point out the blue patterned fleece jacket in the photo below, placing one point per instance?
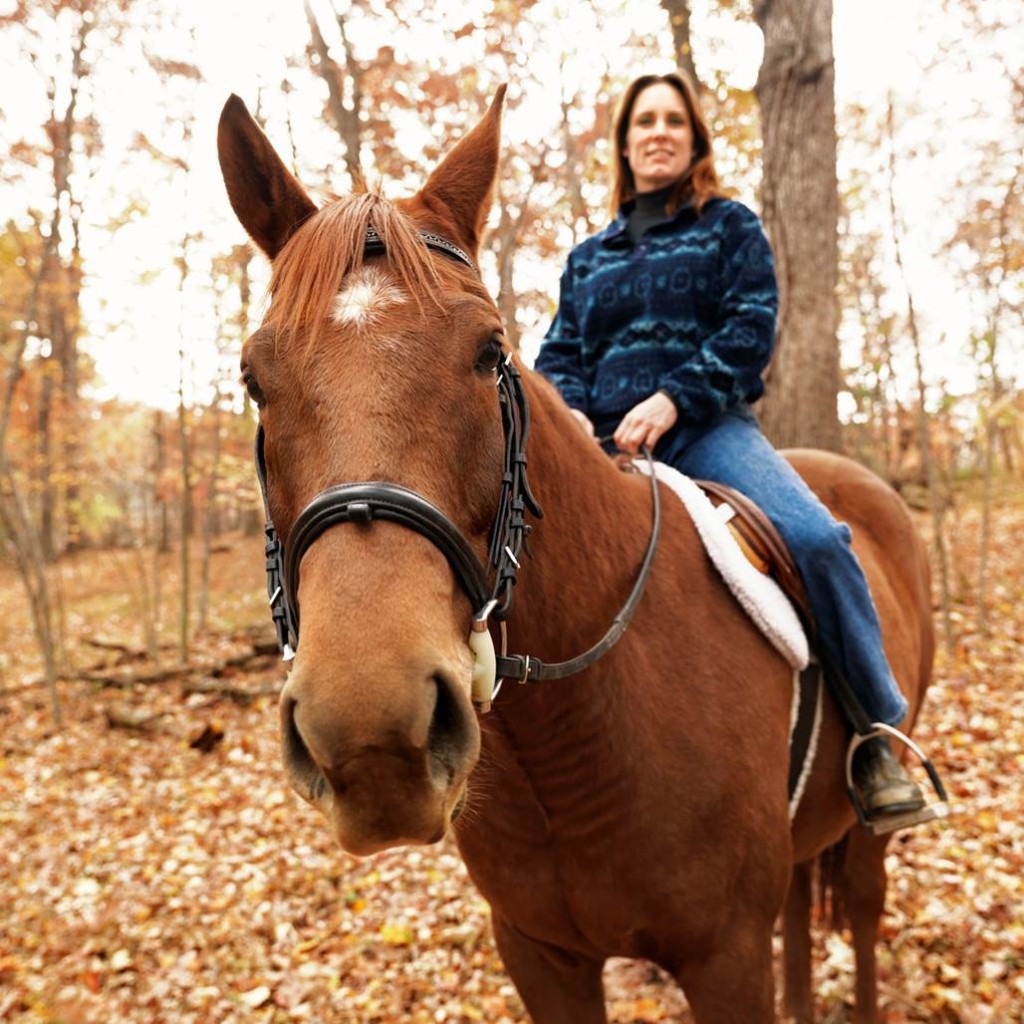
(689, 310)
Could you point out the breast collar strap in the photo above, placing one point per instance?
(365, 501)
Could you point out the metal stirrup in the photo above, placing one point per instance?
(891, 822)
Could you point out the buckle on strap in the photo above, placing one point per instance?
(521, 668)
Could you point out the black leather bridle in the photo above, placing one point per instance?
(367, 501)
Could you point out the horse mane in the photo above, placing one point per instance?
(310, 269)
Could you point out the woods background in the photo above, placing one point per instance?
(890, 186)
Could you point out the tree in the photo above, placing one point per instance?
(41, 327)
(344, 87)
(678, 12)
(936, 501)
(18, 528)
(799, 190)
(987, 252)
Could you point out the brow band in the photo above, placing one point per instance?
(375, 244)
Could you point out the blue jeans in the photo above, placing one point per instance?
(732, 450)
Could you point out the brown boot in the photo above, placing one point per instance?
(882, 783)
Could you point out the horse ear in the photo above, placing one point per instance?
(264, 194)
(464, 181)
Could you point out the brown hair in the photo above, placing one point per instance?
(699, 182)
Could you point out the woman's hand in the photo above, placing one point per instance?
(646, 423)
(585, 425)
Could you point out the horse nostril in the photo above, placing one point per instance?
(305, 773)
(449, 734)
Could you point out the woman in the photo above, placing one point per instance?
(666, 321)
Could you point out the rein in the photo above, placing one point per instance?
(366, 501)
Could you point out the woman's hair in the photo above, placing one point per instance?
(699, 182)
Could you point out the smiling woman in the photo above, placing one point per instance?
(659, 138)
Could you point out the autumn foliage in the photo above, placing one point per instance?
(142, 879)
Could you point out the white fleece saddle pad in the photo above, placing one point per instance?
(759, 595)
(770, 610)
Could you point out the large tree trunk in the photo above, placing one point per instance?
(796, 91)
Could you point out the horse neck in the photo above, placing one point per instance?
(588, 547)
(556, 749)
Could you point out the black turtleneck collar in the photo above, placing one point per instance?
(654, 201)
(648, 210)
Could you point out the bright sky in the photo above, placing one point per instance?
(880, 46)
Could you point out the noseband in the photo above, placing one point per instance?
(368, 501)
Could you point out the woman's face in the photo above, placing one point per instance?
(659, 139)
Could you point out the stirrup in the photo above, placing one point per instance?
(891, 822)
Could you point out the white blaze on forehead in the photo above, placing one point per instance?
(365, 296)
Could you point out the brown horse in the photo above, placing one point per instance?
(635, 809)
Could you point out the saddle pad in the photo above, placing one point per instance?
(804, 727)
(770, 610)
(759, 596)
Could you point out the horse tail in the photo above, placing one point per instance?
(830, 885)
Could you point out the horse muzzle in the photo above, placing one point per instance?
(381, 781)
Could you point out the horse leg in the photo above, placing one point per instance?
(863, 883)
(557, 987)
(796, 946)
(734, 984)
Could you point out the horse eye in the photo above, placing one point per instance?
(253, 388)
(489, 355)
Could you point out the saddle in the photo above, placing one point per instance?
(759, 541)
(762, 546)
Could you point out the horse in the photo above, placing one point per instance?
(635, 808)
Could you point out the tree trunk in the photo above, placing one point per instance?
(936, 502)
(505, 250)
(210, 519)
(43, 474)
(69, 321)
(344, 111)
(184, 538)
(679, 19)
(796, 91)
(25, 545)
(72, 447)
(148, 599)
(505, 242)
(16, 521)
(572, 172)
(249, 514)
(185, 532)
(163, 539)
(990, 418)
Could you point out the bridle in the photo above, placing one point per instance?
(488, 589)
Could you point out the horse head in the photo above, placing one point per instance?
(376, 364)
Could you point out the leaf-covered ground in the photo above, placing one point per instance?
(142, 880)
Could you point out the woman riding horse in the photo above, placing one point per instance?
(666, 320)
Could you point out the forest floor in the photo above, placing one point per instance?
(145, 880)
